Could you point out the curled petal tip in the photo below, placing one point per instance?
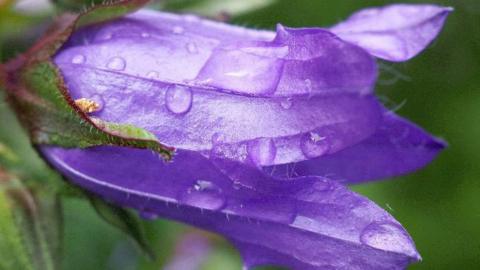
(396, 32)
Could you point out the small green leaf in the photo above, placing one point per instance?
(124, 220)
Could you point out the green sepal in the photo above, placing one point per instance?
(125, 220)
(30, 226)
(36, 90)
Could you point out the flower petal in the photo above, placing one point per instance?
(398, 147)
(302, 223)
(199, 119)
(187, 50)
(395, 32)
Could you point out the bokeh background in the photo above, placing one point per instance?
(439, 90)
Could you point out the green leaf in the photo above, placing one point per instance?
(41, 100)
(30, 226)
(214, 8)
(124, 220)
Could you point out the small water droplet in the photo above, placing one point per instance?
(145, 35)
(152, 75)
(192, 48)
(178, 30)
(116, 63)
(178, 99)
(203, 194)
(314, 145)
(99, 100)
(388, 236)
(78, 59)
(262, 151)
(286, 103)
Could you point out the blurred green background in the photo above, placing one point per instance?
(439, 90)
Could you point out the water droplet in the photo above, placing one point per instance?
(262, 151)
(78, 59)
(388, 236)
(148, 214)
(116, 63)
(286, 103)
(152, 75)
(203, 194)
(314, 145)
(145, 35)
(178, 99)
(99, 100)
(178, 30)
(192, 48)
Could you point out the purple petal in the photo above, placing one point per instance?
(302, 223)
(395, 32)
(198, 119)
(187, 50)
(398, 147)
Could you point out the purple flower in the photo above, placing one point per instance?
(259, 119)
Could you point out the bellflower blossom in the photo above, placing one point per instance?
(266, 126)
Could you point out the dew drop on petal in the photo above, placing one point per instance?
(116, 63)
(99, 100)
(152, 75)
(78, 59)
(192, 48)
(286, 103)
(388, 236)
(145, 35)
(314, 145)
(203, 194)
(178, 30)
(178, 99)
(262, 151)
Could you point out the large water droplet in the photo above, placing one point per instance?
(78, 59)
(178, 30)
(262, 151)
(178, 99)
(286, 103)
(192, 48)
(314, 145)
(203, 194)
(116, 63)
(388, 236)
